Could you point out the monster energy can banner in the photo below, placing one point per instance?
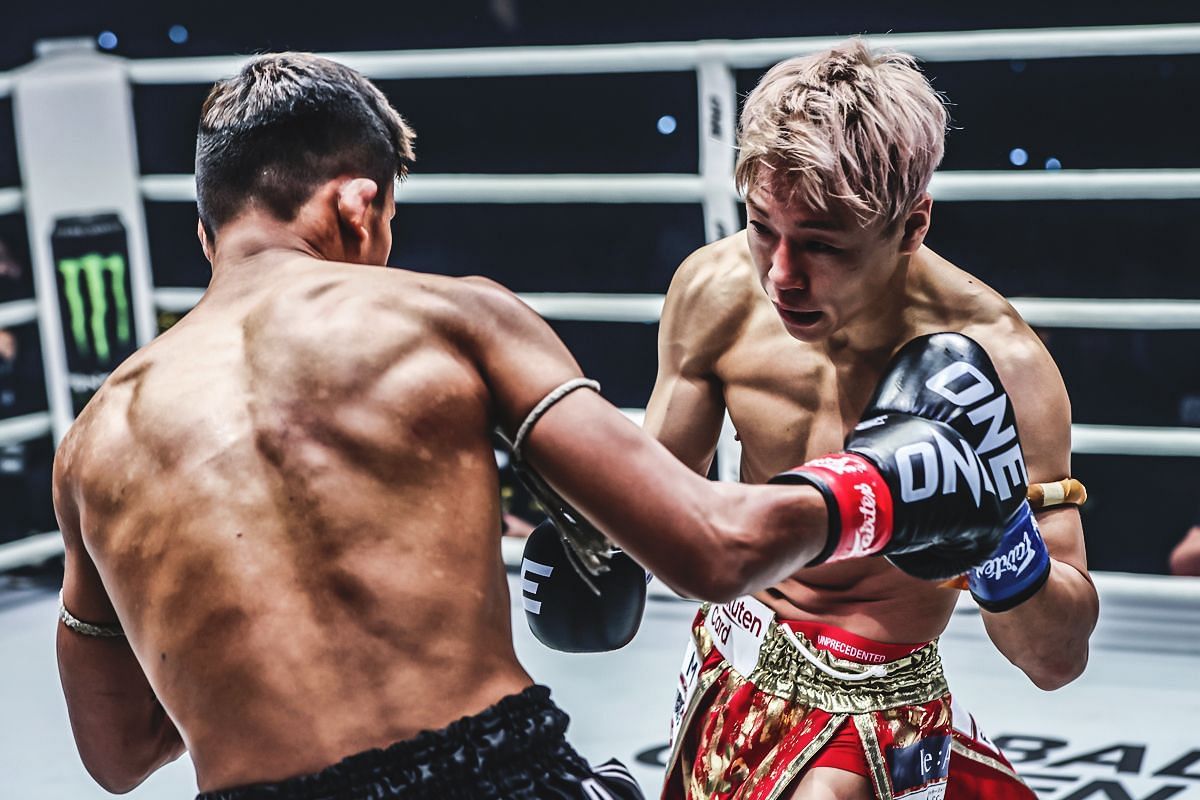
(91, 259)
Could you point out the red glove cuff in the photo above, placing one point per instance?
(864, 503)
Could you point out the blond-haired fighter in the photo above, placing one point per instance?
(790, 325)
(282, 516)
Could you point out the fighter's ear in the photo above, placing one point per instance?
(916, 225)
(205, 245)
(354, 198)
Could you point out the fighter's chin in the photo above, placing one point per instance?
(804, 325)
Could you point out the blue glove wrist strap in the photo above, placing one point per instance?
(1018, 567)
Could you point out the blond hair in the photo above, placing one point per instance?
(846, 129)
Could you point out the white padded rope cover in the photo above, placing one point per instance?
(950, 186)
(1049, 312)
(985, 45)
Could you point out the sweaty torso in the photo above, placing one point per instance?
(791, 401)
(291, 498)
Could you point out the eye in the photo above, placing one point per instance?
(822, 248)
(759, 228)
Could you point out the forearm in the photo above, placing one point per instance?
(1047, 635)
(720, 541)
(756, 537)
(122, 731)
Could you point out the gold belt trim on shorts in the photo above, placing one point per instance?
(914, 679)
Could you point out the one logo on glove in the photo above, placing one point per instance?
(864, 537)
(964, 385)
(1018, 557)
(925, 469)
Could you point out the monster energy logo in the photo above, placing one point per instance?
(87, 273)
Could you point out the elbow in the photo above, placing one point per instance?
(1056, 673)
(122, 771)
(115, 780)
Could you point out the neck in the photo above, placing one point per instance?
(253, 234)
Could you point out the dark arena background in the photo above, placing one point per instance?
(1071, 184)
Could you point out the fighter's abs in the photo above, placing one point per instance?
(801, 417)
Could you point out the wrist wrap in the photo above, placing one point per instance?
(1016, 570)
(859, 501)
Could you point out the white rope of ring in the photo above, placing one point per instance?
(646, 308)
(950, 186)
(683, 56)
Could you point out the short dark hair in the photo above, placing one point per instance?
(286, 123)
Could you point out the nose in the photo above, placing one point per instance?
(786, 273)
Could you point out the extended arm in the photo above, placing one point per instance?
(719, 540)
(122, 732)
(700, 538)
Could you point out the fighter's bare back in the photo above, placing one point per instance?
(291, 499)
(723, 346)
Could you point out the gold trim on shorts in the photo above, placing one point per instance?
(704, 682)
(865, 723)
(806, 755)
(912, 680)
(915, 679)
(961, 749)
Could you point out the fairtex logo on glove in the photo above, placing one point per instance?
(1015, 560)
(864, 505)
(1017, 568)
(864, 537)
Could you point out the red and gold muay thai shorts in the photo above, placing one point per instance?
(761, 700)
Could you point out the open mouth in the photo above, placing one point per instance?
(799, 318)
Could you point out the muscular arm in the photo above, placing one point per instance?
(1047, 635)
(686, 407)
(703, 539)
(122, 732)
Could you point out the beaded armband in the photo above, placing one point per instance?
(86, 628)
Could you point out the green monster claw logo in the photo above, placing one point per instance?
(88, 272)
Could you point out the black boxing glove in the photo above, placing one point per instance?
(905, 486)
(562, 609)
(949, 377)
